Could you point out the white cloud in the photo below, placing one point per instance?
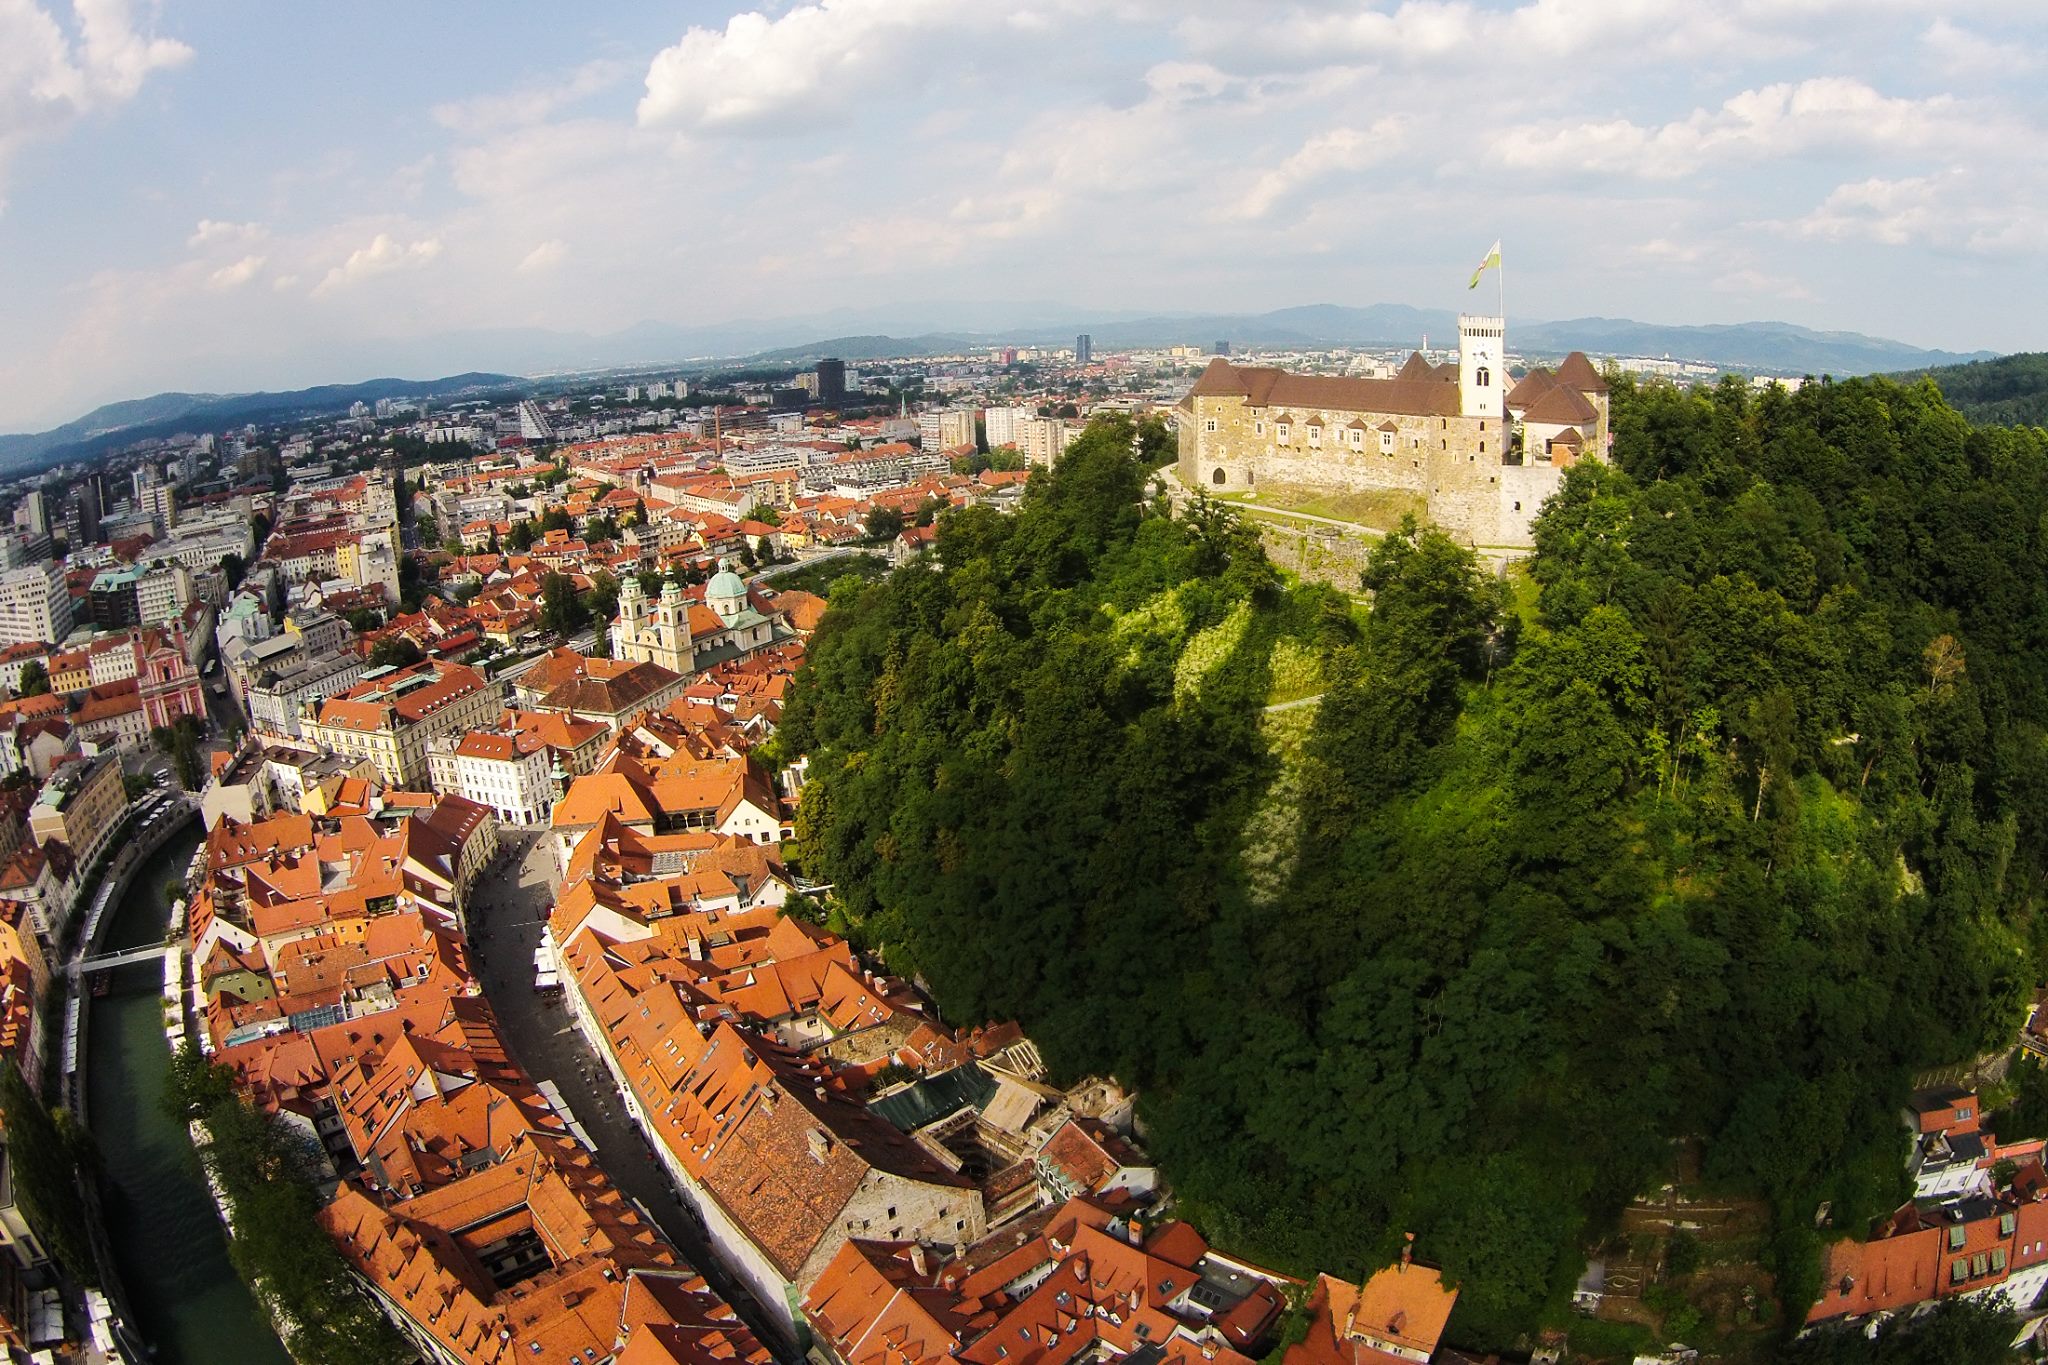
(1959, 52)
(1664, 251)
(210, 231)
(533, 104)
(547, 254)
(1337, 151)
(1428, 33)
(1956, 210)
(236, 275)
(383, 255)
(1759, 284)
(1785, 119)
(49, 77)
(757, 71)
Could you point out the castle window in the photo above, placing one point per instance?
(1280, 433)
(1482, 447)
(1258, 428)
(1357, 439)
(1315, 434)
(1386, 440)
(1484, 377)
(1209, 424)
(1217, 477)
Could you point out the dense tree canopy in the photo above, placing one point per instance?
(271, 1176)
(1719, 819)
(2012, 388)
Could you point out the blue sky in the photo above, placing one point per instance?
(219, 194)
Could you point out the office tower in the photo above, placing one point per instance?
(831, 381)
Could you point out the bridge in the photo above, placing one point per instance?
(121, 959)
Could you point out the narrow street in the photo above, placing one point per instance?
(507, 912)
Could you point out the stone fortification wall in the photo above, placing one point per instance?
(1452, 462)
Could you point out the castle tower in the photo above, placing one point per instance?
(1482, 366)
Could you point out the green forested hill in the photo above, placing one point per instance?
(1723, 824)
(2011, 390)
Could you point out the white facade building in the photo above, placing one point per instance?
(1005, 425)
(34, 605)
(509, 773)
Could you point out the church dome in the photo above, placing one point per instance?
(726, 593)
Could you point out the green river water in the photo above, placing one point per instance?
(169, 1243)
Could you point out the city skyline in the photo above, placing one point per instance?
(233, 199)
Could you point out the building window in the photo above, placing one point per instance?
(1258, 428)
(1386, 440)
(1357, 439)
(1217, 477)
(1209, 424)
(1315, 435)
(1484, 377)
(1280, 433)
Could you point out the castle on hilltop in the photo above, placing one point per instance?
(1482, 455)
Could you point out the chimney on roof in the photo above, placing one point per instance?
(918, 1265)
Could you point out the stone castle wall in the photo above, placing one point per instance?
(1454, 463)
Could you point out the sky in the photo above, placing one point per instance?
(227, 195)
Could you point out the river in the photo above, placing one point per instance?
(167, 1239)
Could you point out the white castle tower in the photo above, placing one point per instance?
(1482, 366)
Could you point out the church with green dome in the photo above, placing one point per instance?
(686, 636)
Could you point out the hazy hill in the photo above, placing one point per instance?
(1774, 347)
(949, 327)
(166, 414)
(2009, 391)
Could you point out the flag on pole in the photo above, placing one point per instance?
(1492, 261)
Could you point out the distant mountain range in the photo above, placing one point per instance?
(1775, 347)
(166, 414)
(858, 335)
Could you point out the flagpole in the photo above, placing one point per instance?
(1500, 281)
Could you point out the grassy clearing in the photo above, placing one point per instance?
(1380, 509)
